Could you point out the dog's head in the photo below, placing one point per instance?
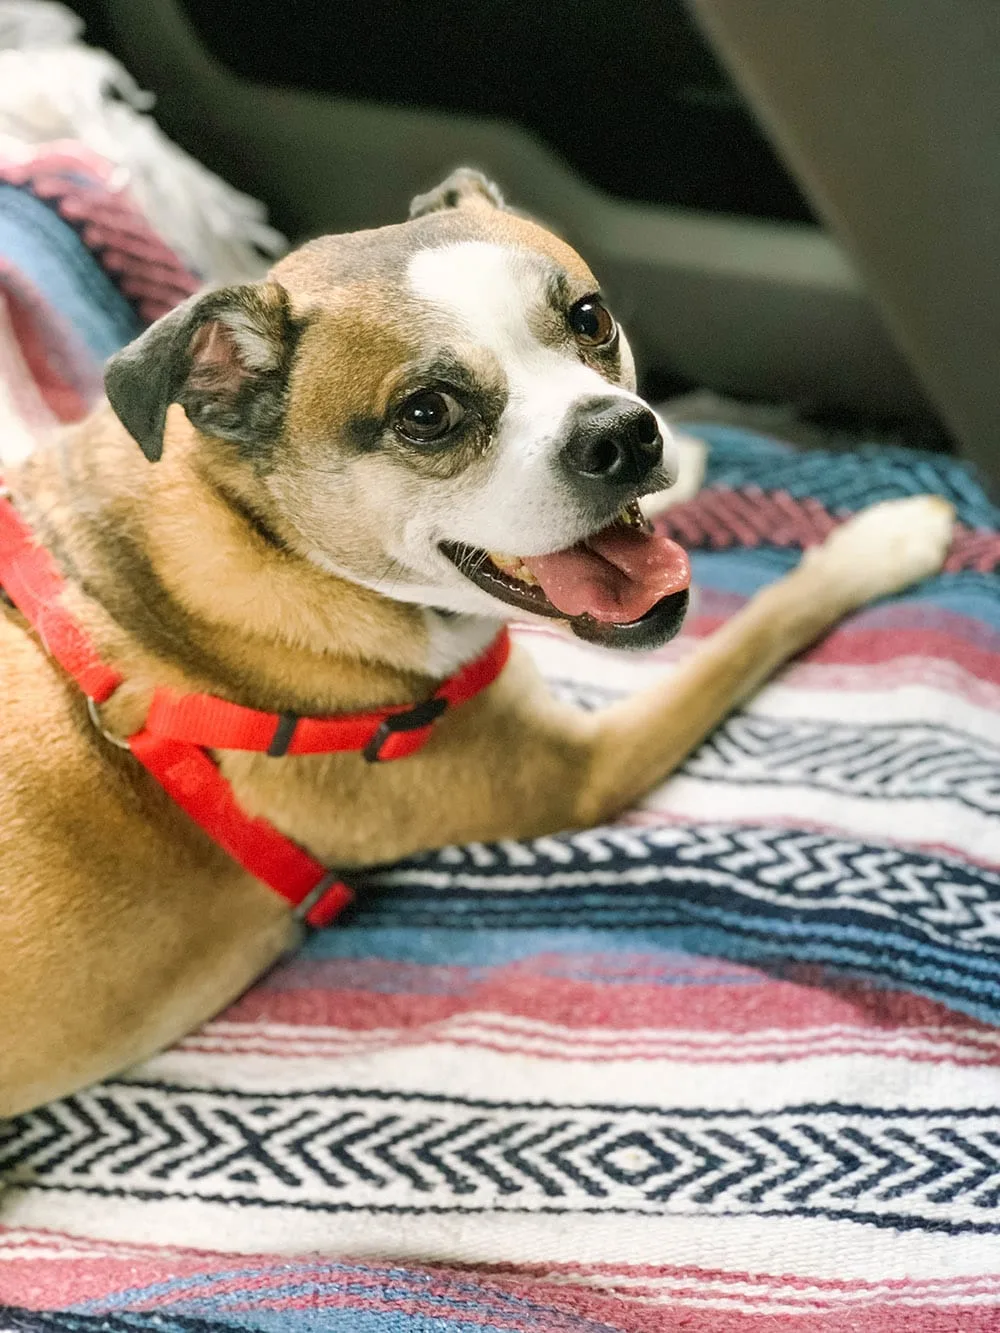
(443, 411)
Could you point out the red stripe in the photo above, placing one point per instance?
(645, 1298)
(637, 1309)
(49, 350)
(721, 517)
(347, 996)
(873, 638)
(857, 646)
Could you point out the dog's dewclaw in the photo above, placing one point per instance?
(888, 547)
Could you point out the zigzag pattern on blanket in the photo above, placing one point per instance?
(901, 761)
(905, 761)
(336, 1149)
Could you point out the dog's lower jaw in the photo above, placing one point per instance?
(652, 630)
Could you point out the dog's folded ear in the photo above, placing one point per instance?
(464, 188)
(224, 355)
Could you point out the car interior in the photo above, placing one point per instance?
(770, 235)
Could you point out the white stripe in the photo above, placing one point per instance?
(816, 1249)
(906, 703)
(467, 1035)
(870, 1080)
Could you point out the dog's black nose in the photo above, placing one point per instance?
(614, 440)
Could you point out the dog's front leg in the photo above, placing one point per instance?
(637, 743)
(517, 763)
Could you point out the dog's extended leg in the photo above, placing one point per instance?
(518, 763)
(638, 742)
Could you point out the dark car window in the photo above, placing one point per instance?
(626, 90)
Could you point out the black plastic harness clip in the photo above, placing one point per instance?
(422, 715)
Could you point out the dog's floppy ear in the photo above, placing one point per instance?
(462, 189)
(225, 356)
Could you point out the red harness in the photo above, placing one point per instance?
(179, 730)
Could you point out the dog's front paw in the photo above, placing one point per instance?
(886, 548)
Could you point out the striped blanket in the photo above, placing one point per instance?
(732, 1063)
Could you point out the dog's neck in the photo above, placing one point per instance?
(190, 578)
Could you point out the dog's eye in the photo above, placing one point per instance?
(428, 416)
(592, 322)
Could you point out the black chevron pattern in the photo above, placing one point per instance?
(901, 761)
(347, 1149)
(632, 876)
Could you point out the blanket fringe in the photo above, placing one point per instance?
(53, 87)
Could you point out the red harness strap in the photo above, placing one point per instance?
(389, 733)
(179, 729)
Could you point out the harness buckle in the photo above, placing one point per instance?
(414, 719)
(109, 736)
(324, 902)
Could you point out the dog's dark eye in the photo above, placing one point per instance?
(428, 416)
(592, 322)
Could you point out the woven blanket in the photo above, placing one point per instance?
(731, 1063)
(81, 273)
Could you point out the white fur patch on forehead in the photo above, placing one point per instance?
(489, 288)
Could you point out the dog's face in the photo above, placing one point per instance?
(444, 411)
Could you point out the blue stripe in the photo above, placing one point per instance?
(848, 480)
(694, 890)
(437, 946)
(744, 570)
(207, 1317)
(717, 935)
(816, 931)
(52, 257)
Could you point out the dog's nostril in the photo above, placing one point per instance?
(647, 430)
(604, 456)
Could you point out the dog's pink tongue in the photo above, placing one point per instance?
(616, 576)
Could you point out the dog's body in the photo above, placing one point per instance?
(288, 551)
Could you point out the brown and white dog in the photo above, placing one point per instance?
(289, 503)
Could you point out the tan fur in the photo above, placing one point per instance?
(122, 927)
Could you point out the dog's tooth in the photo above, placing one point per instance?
(513, 566)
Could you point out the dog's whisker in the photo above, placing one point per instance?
(393, 567)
